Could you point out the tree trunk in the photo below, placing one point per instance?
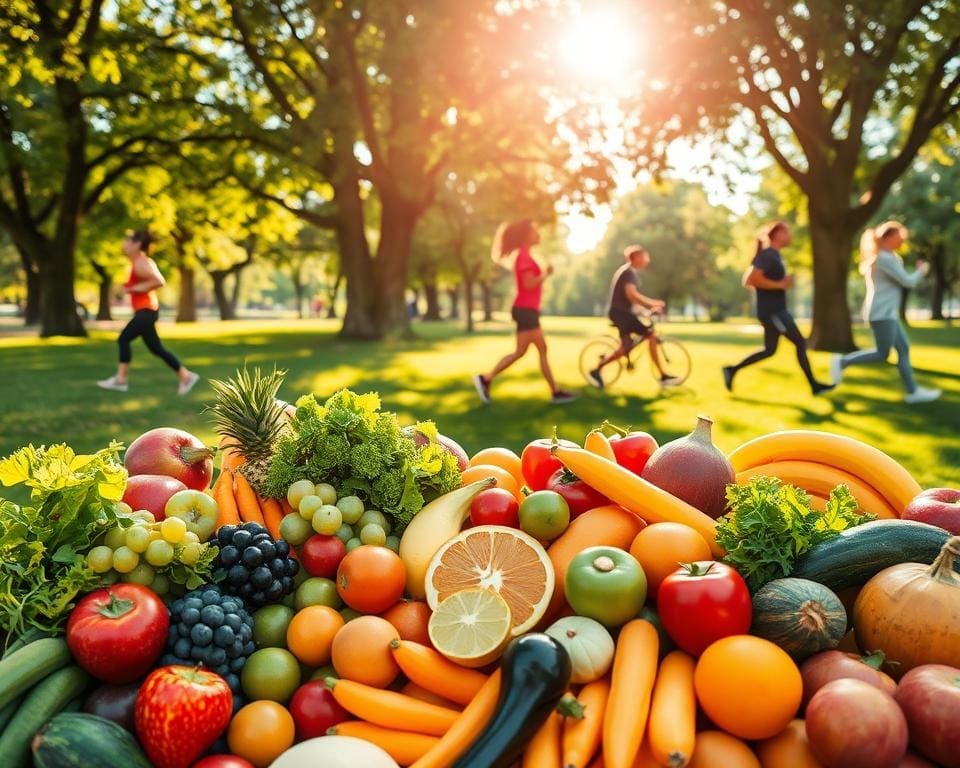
(397, 223)
(332, 297)
(432, 295)
(468, 302)
(31, 310)
(486, 288)
(187, 301)
(454, 293)
(235, 293)
(104, 284)
(832, 240)
(219, 291)
(58, 311)
(359, 321)
(939, 288)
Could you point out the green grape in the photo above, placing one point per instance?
(160, 584)
(173, 529)
(326, 492)
(327, 520)
(308, 505)
(353, 544)
(137, 538)
(143, 574)
(345, 533)
(100, 559)
(190, 538)
(351, 507)
(159, 553)
(125, 559)
(295, 530)
(298, 490)
(144, 514)
(190, 553)
(393, 543)
(115, 538)
(372, 516)
(372, 533)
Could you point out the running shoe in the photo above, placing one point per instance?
(560, 397)
(483, 387)
(728, 378)
(595, 379)
(669, 381)
(922, 395)
(112, 384)
(186, 385)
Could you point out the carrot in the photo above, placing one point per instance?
(673, 711)
(635, 494)
(466, 728)
(247, 504)
(645, 758)
(419, 692)
(230, 458)
(543, 751)
(631, 683)
(582, 737)
(598, 443)
(227, 513)
(391, 709)
(287, 506)
(272, 515)
(598, 763)
(431, 670)
(403, 746)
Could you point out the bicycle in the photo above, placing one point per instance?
(675, 360)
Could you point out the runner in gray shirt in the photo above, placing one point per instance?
(886, 279)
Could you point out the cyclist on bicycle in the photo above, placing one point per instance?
(622, 307)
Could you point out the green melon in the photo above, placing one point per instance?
(76, 740)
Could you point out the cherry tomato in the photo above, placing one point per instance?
(223, 761)
(701, 602)
(579, 496)
(321, 555)
(633, 450)
(314, 710)
(536, 463)
(495, 506)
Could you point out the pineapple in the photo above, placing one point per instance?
(249, 419)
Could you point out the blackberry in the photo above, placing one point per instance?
(254, 566)
(211, 628)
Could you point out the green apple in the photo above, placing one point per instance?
(197, 509)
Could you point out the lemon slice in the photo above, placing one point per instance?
(471, 627)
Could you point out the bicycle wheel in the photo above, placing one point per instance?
(674, 359)
(593, 352)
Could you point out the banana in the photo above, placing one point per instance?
(871, 465)
(432, 527)
(820, 479)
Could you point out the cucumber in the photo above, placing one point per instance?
(7, 713)
(858, 554)
(26, 638)
(78, 740)
(42, 703)
(27, 666)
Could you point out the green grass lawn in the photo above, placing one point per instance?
(48, 392)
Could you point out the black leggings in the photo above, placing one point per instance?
(777, 325)
(144, 323)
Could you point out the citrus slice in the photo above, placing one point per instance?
(506, 560)
(471, 627)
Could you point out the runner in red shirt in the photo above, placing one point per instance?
(142, 284)
(515, 239)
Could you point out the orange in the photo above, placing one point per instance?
(361, 651)
(661, 548)
(503, 477)
(503, 559)
(410, 618)
(788, 749)
(748, 686)
(260, 732)
(499, 457)
(371, 578)
(310, 634)
(715, 749)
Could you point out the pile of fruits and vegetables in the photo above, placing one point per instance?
(343, 590)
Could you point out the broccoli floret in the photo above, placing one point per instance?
(368, 462)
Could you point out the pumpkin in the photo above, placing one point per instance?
(334, 752)
(799, 615)
(589, 645)
(911, 612)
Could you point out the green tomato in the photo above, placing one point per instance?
(270, 673)
(606, 584)
(544, 515)
(317, 591)
(270, 626)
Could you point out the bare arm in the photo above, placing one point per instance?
(636, 297)
(148, 277)
(756, 279)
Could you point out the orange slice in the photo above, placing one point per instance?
(471, 627)
(506, 560)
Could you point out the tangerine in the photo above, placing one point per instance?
(361, 651)
(310, 634)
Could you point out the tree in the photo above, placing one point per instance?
(842, 96)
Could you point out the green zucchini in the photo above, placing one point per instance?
(857, 554)
(7, 713)
(42, 703)
(79, 740)
(801, 616)
(31, 635)
(27, 666)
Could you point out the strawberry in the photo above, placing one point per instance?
(180, 712)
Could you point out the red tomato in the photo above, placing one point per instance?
(633, 450)
(117, 633)
(180, 712)
(314, 710)
(579, 496)
(321, 555)
(495, 506)
(536, 463)
(702, 602)
(223, 761)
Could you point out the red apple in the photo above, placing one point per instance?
(937, 506)
(171, 452)
(450, 445)
(929, 696)
(851, 724)
(151, 492)
(828, 666)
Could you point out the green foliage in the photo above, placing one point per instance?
(353, 445)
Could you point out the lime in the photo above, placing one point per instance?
(317, 591)
(322, 673)
(272, 674)
(270, 626)
(544, 515)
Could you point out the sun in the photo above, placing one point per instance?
(598, 47)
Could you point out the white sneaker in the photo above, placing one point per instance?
(186, 386)
(922, 395)
(836, 368)
(112, 384)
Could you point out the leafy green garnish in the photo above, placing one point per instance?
(771, 524)
(353, 445)
(43, 546)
